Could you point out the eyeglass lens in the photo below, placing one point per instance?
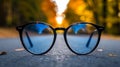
(82, 38)
(37, 38)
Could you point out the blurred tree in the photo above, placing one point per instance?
(93, 6)
(15, 12)
(113, 18)
(106, 12)
(27, 10)
(48, 9)
(5, 13)
(77, 11)
(102, 12)
(71, 16)
(2, 12)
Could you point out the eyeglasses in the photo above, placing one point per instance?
(81, 38)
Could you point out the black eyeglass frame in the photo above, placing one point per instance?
(21, 28)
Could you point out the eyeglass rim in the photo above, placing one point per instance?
(99, 30)
(21, 28)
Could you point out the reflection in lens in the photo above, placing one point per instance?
(37, 38)
(82, 38)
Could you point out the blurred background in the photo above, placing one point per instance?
(60, 13)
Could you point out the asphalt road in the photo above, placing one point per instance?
(106, 54)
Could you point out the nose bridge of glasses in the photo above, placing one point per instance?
(60, 28)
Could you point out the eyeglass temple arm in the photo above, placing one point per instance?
(31, 45)
(88, 43)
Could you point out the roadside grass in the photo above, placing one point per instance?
(8, 33)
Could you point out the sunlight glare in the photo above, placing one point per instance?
(59, 19)
(61, 6)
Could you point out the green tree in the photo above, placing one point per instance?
(106, 13)
(2, 12)
(27, 10)
(5, 13)
(113, 18)
(14, 12)
(71, 16)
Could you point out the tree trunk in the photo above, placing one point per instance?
(2, 13)
(104, 10)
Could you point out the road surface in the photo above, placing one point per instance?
(106, 54)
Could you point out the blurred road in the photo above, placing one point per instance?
(107, 54)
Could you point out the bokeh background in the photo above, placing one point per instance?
(102, 12)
